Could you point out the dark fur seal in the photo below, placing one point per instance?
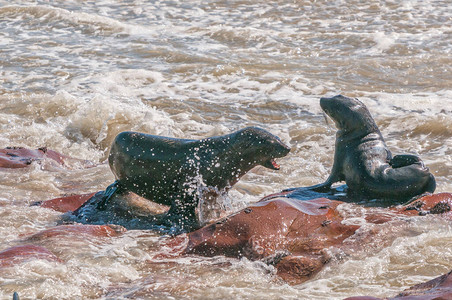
(364, 161)
(169, 171)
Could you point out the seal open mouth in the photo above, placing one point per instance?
(271, 164)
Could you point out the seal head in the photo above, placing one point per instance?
(260, 147)
(349, 115)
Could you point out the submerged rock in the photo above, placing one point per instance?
(19, 254)
(19, 157)
(78, 229)
(438, 288)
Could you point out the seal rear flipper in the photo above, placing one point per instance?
(402, 183)
(404, 160)
(109, 192)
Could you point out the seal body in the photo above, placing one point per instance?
(170, 171)
(364, 161)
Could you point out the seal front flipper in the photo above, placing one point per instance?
(320, 188)
(109, 192)
(404, 160)
(334, 177)
(181, 216)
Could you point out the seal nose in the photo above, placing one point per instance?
(284, 149)
(329, 105)
(324, 102)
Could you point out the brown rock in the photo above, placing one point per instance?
(79, 229)
(294, 269)
(287, 233)
(440, 203)
(293, 235)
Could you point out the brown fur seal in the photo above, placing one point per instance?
(364, 161)
(169, 171)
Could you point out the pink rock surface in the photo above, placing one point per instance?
(19, 254)
(78, 229)
(293, 234)
(19, 157)
(67, 203)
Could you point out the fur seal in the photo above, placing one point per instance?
(169, 171)
(364, 161)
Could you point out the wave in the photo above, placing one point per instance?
(58, 18)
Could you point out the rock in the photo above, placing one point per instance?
(78, 229)
(362, 298)
(440, 203)
(66, 203)
(295, 235)
(19, 157)
(19, 254)
(128, 210)
(438, 288)
(287, 233)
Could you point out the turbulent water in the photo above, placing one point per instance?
(76, 73)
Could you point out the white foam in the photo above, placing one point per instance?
(72, 76)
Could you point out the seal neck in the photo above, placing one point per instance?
(365, 136)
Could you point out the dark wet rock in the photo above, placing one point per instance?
(128, 210)
(19, 157)
(18, 254)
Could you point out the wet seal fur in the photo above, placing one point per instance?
(171, 171)
(364, 161)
